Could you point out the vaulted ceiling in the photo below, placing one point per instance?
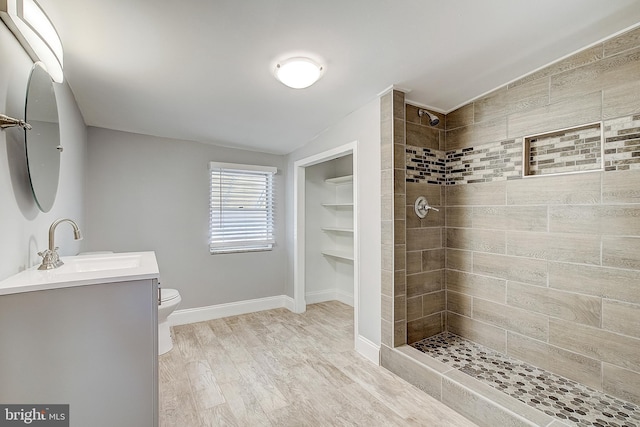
(202, 70)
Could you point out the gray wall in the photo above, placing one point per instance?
(363, 125)
(152, 193)
(24, 229)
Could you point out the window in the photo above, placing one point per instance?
(241, 208)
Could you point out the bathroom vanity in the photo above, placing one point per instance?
(84, 334)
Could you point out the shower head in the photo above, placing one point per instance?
(433, 119)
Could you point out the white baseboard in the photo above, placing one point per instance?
(202, 314)
(368, 349)
(329, 295)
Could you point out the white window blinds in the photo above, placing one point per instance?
(241, 208)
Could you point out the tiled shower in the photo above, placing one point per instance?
(542, 268)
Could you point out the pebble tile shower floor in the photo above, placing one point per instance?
(564, 399)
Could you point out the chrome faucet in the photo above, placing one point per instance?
(50, 257)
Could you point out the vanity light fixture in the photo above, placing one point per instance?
(298, 73)
(35, 32)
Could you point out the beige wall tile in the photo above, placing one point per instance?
(488, 288)
(414, 308)
(463, 116)
(411, 114)
(433, 303)
(596, 343)
(476, 240)
(399, 177)
(399, 136)
(399, 156)
(399, 233)
(423, 136)
(398, 104)
(479, 332)
(414, 262)
(601, 219)
(459, 303)
(459, 216)
(557, 115)
(622, 252)
(430, 191)
(425, 327)
(527, 96)
(424, 283)
(386, 106)
(399, 307)
(386, 280)
(612, 283)
(387, 257)
(580, 59)
(433, 259)
(526, 270)
(487, 193)
(386, 207)
(621, 317)
(399, 203)
(621, 100)
(555, 359)
(399, 258)
(576, 189)
(582, 248)
(459, 260)
(399, 282)
(386, 333)
(386, 232)
(621, 382)
(563, 305)
(604, 74)
(526, 218)
(386, 308)
(399, 333)
(621, 187)
(510, 318)
(476, 134)
(386, 182)
(625, 41)
(424, 238)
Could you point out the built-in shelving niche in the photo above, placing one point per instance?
(571, 150)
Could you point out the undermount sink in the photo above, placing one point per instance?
(86, 263)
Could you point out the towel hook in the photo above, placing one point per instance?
(422, 207)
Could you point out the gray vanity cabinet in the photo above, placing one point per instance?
(93, 347)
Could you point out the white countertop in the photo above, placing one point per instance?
(85, 270)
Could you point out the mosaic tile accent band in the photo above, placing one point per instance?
(622, 143)
(556, 396)
(499, 161)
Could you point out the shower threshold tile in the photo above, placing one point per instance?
(556, 396)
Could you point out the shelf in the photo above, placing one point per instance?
(337, 229)
(338, 254)
(338, 205)
(347, 179)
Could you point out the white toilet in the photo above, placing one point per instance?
(170, 298)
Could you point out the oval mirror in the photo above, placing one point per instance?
(42, 142)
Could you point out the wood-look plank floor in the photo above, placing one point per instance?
(277, 368)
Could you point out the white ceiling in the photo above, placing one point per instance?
(202, 70)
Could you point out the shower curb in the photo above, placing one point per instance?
(473, 399)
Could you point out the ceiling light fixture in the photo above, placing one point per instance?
(298, 73)
(35, 32)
